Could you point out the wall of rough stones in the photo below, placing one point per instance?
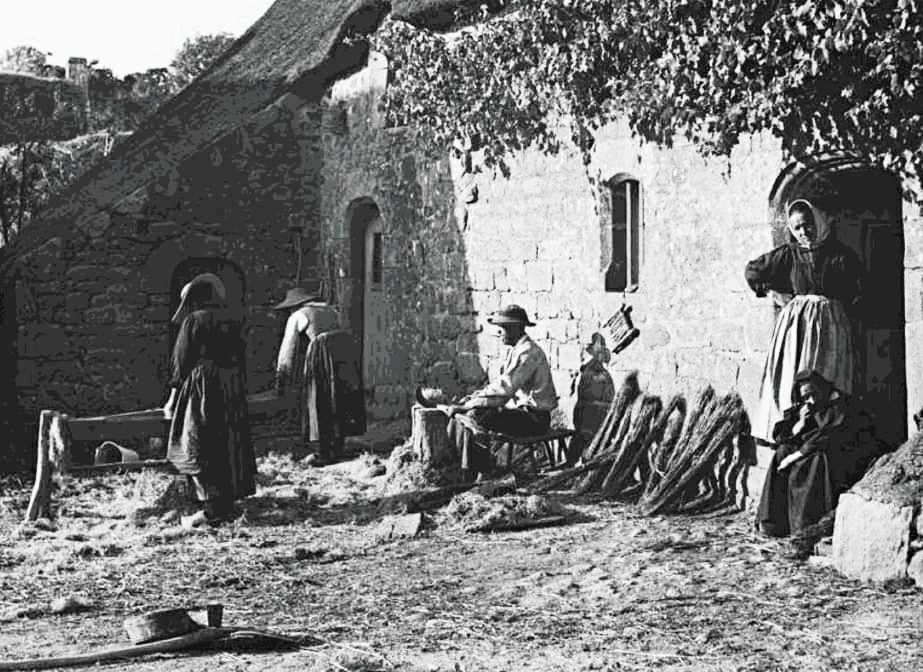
(94, 306)
(429, 333)
(535, 240)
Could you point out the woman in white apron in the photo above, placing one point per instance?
(815, 330)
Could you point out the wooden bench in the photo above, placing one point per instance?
(554, 444)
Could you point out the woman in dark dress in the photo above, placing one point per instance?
(824, 447)
(210, 431)
(814, 330)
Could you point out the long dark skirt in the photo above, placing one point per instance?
(210, 433)
(468, 432)
(334, 399)
(798, 496)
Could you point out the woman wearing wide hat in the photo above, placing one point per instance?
(318, 364)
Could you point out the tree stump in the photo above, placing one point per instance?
(429, 437)
(41, 491)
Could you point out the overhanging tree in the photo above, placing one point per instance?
(821, 75)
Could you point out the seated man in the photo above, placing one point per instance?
(824, 447)
(518, 402)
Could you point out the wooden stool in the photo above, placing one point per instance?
(554, 444)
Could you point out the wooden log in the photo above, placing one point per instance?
(429, 437)
(41, 490)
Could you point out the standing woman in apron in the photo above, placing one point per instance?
(210, 430)
(816, 329)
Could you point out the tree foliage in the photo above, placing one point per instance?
(821, 75)
(24, 59)
(196, 55)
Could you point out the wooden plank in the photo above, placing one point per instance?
(108, 428)
(93, 469)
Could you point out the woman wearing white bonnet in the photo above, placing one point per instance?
(815, 330)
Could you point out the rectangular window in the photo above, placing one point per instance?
(622, 235)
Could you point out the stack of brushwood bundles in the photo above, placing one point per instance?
(700, 471)
(675, 462)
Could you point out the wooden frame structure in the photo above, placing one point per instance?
(57, 433)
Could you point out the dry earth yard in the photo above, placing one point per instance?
(610, 590)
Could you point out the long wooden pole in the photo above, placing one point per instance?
(193, 639)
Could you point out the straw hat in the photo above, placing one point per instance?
(295, 297)
(511, 314)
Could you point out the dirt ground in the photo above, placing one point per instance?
(610, 590)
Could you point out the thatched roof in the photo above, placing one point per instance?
(296, 45)
(35, 108)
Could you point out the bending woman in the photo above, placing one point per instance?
(210, 431)
(813, 331)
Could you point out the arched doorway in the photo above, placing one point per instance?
(367, 307)
(864, 206)
(230, 273)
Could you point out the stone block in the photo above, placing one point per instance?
(43, 342)
(653, 336)
(27, 373)
(84, 273)
(871, 540)
(501, 281)
(558, 330)
(76, 301)
(516, 276)
(915, 568)
(570, 356)
(100, 316)
(539, 277)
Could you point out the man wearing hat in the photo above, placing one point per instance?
(319, 363)
(518, 402)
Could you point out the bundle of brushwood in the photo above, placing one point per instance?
(700, 471)
(673, 461)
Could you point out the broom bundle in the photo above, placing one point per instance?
(716, 424)
(631, 449)
(663, 438)
(622, 400)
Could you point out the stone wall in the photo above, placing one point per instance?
(429, 330)
(535, 240)
(95, 308)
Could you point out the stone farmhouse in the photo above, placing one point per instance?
(276, 168)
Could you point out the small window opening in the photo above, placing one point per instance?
(622, 233)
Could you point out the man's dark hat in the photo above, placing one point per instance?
(511, 314)
(295, 297)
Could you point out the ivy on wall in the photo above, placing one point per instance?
(821, 75)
